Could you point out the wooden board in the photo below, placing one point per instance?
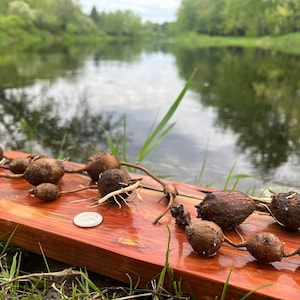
(128, 242)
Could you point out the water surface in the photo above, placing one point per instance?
(241, 111)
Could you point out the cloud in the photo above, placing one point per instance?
(150, 10)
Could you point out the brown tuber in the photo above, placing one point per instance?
(49, 192)
(266, 247)
(41, 170)
(205, 237)
(97, 164)
(226, 208)
(18, 165)
(1, 153)
(285, 208)
(45, 169)
(100, 162)
(113, 180)
(45, 191)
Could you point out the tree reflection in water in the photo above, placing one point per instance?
(49, 125)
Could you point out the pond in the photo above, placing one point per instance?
(240, 114)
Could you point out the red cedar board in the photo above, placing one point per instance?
(128, 242)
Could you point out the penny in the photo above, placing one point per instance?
(87, 219)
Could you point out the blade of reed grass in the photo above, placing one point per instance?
(199, 177)
(228, 177)
(44, 258)
(252, 292)
(113, 146)
(159, 132)
(224, 292)
(124, 151)
(8, 241)
(234, 176)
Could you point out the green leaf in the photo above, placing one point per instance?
(224, 292)
(251, 292)
(158, 134)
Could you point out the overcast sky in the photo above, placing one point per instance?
(150, 10)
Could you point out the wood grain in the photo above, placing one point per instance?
(128, 242)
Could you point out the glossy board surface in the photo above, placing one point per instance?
(127, 241)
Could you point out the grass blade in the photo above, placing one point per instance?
(160, 127)
(224, 292)
(114, 147)
(251, 292)
(124, 151)
(228, 177)
(44, 258)
(199, 178)
(8, 241)
(156, 142)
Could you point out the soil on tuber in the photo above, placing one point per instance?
(41, 170)
(48, 192)
(112, 180)
(206, 238)
(227, 208)
(266, 247)
(285, 208)
(97, 164)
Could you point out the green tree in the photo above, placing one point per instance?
(4, 6)
(118, 22)
(251, 17)
(239, 17)
(201, 16)
(187, 16)
(94, 15)
(21, 9)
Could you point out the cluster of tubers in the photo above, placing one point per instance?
(104, 169)
(219, 211)
(230, 208)
(206, 238)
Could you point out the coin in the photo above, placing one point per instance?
(87, 219)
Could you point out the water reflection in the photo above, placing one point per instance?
(255, 93)
(41, 128)
(245, 101)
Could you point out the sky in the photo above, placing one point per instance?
(157, 11)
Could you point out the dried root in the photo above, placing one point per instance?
(127, 190)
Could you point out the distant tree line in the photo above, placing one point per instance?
(54, 16)
(239, 17)
(126, 23)
(36, 20)
(118, 22)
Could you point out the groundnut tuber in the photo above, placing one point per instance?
(41, 170)
(48, 191)
(205, 237)
(266, 247)
(97, 164)
(226, 208)
(285, 208)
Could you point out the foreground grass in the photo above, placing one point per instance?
(70, 283)
(289, 43)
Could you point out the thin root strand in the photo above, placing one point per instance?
(126, 190)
